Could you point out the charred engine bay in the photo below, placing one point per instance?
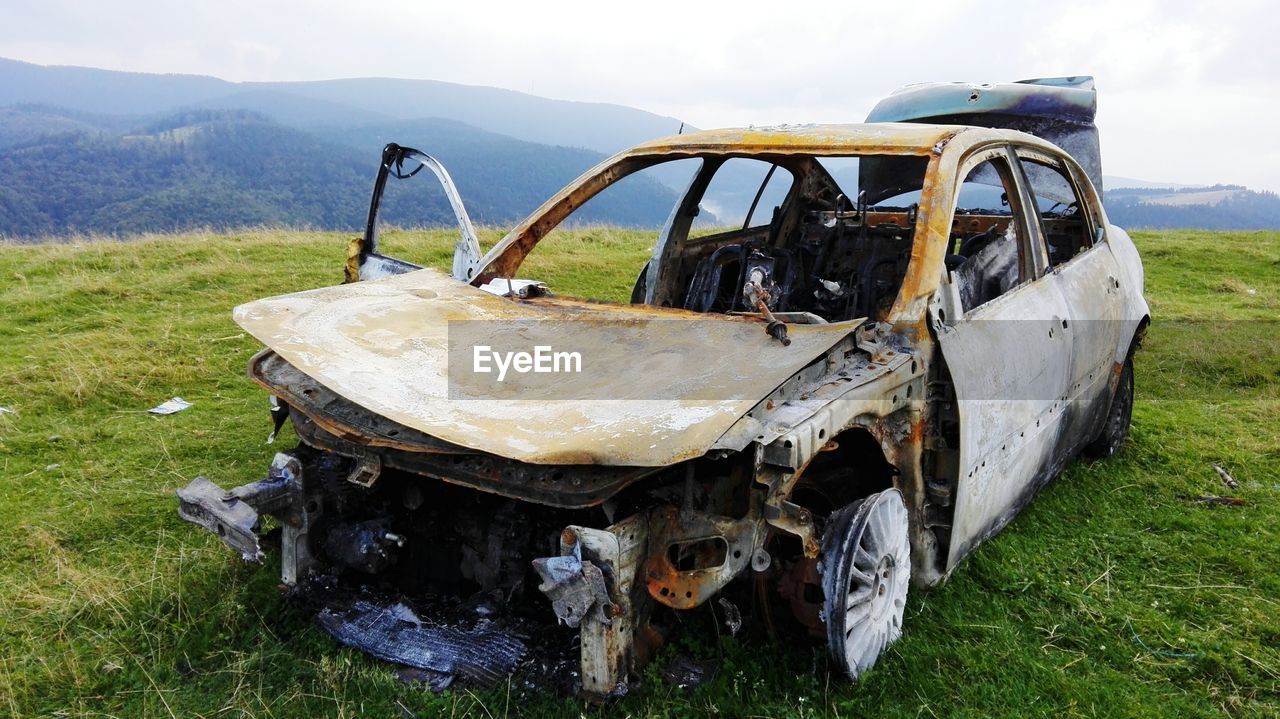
(440, 579)
(436, 578)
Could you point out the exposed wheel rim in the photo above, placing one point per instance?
(866, 565)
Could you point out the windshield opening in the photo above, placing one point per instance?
(828, 239)
(602, 248)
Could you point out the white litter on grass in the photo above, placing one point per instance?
(169, 406)
(7, 410)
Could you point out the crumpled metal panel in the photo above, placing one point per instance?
(576, 588)
(207, 505)
(384, 345)
(395, 634)
(235, 515)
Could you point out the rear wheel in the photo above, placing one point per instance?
(1116, 429)
(866, 567)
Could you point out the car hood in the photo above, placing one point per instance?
(656, 386)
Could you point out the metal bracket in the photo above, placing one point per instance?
(235, 515)
(870, 338)
(607, 635)
(366, 471)
(794, 519)
(673, 527)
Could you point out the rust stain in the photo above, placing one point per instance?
(351, 269)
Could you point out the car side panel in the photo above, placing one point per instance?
(1133, 308)
(1090, 284)
(1010, 364)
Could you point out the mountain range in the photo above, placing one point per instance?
(1211, 207)
(233, 168)
(601, 127)
(89, 150)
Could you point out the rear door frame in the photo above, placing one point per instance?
(1089, 282)
(1009, 363)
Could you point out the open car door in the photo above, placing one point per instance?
(364, 262)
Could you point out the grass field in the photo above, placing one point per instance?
(1117, 593)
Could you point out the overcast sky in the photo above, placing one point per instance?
(1188, 91)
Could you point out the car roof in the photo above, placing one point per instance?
(899, 138)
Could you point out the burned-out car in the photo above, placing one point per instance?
(915, 324)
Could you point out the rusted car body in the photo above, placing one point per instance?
(820, 408)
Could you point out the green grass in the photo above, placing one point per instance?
(1083, 606)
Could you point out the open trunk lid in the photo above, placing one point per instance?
(1060, 110)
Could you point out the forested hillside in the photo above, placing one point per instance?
(598, 126)
(221, 169)
(1215, 207)
(99, 151)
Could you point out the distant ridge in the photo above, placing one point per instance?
(233, 168)
(84, 149)
(1213, 207)
(601, 127)
(1116, 182)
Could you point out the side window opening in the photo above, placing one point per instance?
(1060, 209)
(988, 245)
